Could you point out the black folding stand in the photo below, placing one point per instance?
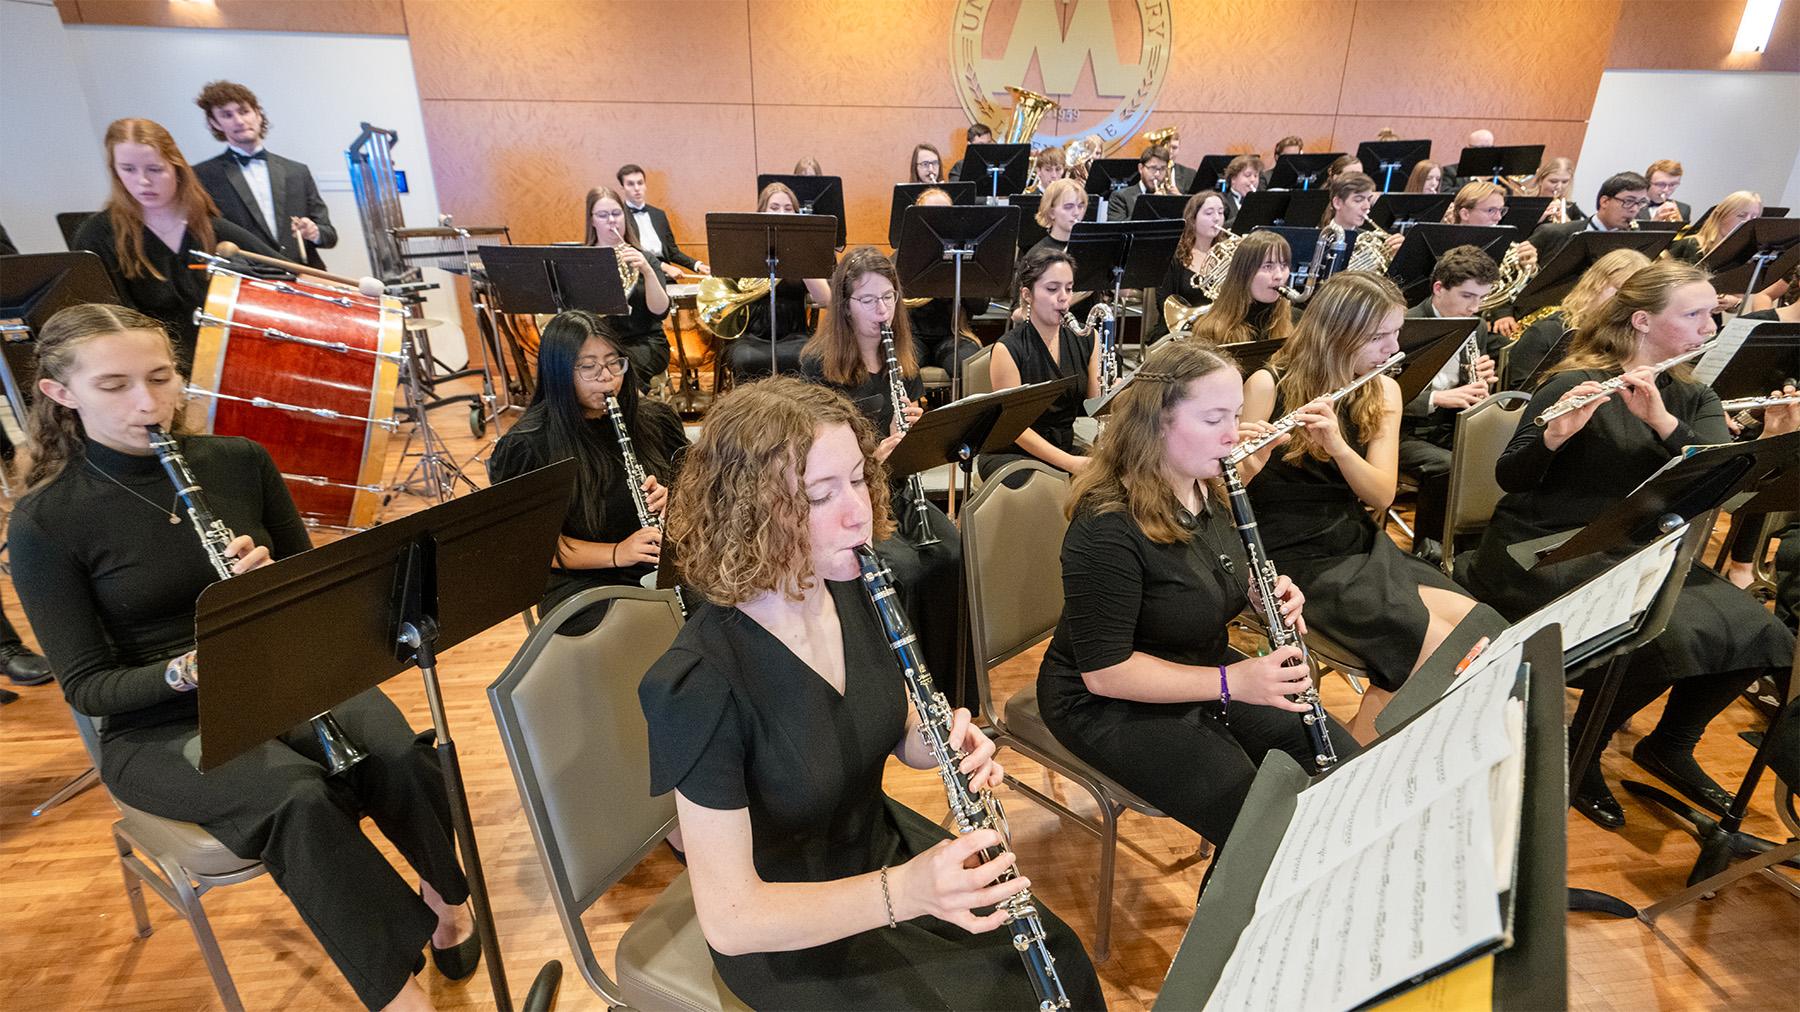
(1107, 176)
(1210, 173)
(1768, 358)
(1397, 212)
(1115, 255)
(1429, 240)
(1388, 160)
(1559, 272)
(1496, 161)
(551, 279)
(1287, 208)
(907, 194)
(33, 287)
(1428, 342)
(1758, 248)
(787, 246)
(349, 615)
(820, 195)
(997, 168)
(937, 243)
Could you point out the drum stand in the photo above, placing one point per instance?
(437, 473)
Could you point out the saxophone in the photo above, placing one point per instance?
(971, 809)
(915, 490)
(635, 478)
(1281, 634)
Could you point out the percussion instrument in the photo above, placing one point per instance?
(307, 369)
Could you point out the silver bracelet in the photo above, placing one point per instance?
(886, 900)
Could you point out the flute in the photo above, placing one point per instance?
(1291, 421)
(1758, 403)
(1611, 386)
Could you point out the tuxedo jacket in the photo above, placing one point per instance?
(1418, 419)
(1184, 177)
(671, 253)
(296, 196)
(1232, 204)
(1119, 205)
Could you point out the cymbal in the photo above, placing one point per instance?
(423, 323)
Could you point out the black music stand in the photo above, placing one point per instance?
(1210, 173)
(1107, 176)
(1428, 342)
(786, 246)
(354, 613)
(1159, 206)
(551, 279)
(1300, 172)
(1397, 212)
(1761, 246)
(1303, 243)
(996, 169)
(1525, 213)
(1122, 254)
(33, 287)
(1386, 161)
(1428, 241)
(907, 194)
(1768, 358)
(69, 224)
(938, 243)
(1495, 161)
(1560, 271)
(818, 195)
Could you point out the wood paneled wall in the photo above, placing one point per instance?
(345, 17)
(1697, 35)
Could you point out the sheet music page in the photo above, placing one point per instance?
(1456, 742)
(1730, 339)
(1419, 896)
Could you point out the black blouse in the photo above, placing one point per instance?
(871, 396)
(173, 300)
(637, 324)
(1528, 353)
(790, 312)
(1035, 366)
(1178, 281)
(1124, 593)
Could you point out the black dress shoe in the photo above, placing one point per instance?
(1429, 550)
(459, 961)
(1601, 808)
(1683, 774)
(24, 667)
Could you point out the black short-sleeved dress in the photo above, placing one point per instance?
(736, 720)
(638, 332)
(1361, 589)
(1035, 366)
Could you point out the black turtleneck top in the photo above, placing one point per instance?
(110, 584)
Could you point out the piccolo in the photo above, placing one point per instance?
(1291, 421)
(1758, 403)
(1612, 386)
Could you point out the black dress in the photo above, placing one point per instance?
(1531, 353)
(1361, 589)
(931, 332)
(1123, 593)
(1029, 353)
(737, 721)
(748, 356)
(174, 299)
(526, 447)
(1178, 281)
(112, 602)
(639, 332)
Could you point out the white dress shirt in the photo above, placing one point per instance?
(256, 173)
(648, 241)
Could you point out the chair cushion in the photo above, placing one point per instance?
(662, 960)
(1025, 723)
(182, 843)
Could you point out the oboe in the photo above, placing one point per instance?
(340, 752)
(1291, 421)
(635, 478)
(915, 489)
(1615, 384)
(1281, 634)
(971, 809)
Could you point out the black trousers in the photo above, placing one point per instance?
(9, 637)
(1180, 757)
(648, 355)
(1429, 465)
(276, 804)
(748, 357)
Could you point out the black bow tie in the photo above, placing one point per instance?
(244, 159)
(640, 209)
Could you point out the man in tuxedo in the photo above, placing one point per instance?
(271, 196)
(1462, 278)
(1664, 175)
(978, 133)
(1151, 166)
(1241, 177)
(654, 234)
(1622, 196)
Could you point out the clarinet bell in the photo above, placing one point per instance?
(340, 752)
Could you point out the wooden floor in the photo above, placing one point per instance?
(67, 940)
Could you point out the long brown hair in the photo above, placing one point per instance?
(834, 342)
(1228, 322)
(1189, 234)
(1415, 181)
(1606, 339)
(54, 432)
(1125, 471)
(127, 218)
(1321, 356)
(769, 191)
(738, 517)
(912, 166)
(590, 234)
(1610, 271)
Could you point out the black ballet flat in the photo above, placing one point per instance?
(459, 961)
(1701, 789)
(1601, 808)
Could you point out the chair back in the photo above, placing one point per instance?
(575, 736)
(1012, 559)
(1482, 433)
(975, 377)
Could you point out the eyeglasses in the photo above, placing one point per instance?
(609, 214)
(1632, 203)
(590, 370)
(871, 301)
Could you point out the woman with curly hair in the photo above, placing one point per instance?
(772, 718)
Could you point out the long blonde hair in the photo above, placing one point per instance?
(54, 432)
(1607, 340)
(127, 217)
(1321, 356)
(834, 342)
(1468, 196)
(1228, 322)
(1610, 271)
(1713, 232)
(1125, 471)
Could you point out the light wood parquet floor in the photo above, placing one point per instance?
(67, 941)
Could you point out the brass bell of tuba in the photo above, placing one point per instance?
(723, 304)
(1159, 138)
(1029, 109)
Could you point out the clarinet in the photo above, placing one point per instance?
(1262, 576)
(635, 478)
(340, 752)
(915, 490)
(972, 809)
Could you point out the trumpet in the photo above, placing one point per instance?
(1291, 421)
(1611, 386)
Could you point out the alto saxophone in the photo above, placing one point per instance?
(915, 489)
(635, 478)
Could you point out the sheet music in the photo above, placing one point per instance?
(1730, 339)
(1421, 896)
(1454, 744)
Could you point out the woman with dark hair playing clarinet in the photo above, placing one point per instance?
(773, 716)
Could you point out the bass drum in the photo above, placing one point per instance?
(308, 370)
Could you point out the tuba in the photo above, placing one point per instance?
(1029, 109)
(723, 304)
(1160, 138)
